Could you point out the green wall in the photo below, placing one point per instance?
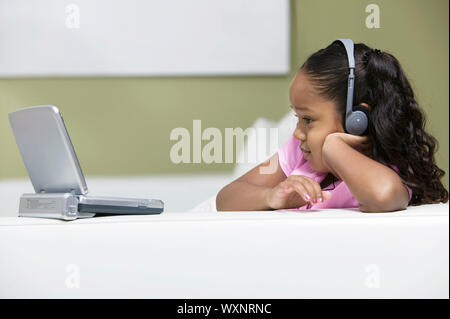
(121, 126)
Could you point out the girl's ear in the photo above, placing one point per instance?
(366, 105)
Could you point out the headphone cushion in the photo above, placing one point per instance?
(358, 122)
(362, 108)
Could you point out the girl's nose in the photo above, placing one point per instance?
(298, 134)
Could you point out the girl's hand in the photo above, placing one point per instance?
(359, 143)
(295, 191)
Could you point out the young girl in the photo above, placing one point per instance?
(388, 168)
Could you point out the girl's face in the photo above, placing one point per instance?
(317, 118)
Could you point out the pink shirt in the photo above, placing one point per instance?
(292, 163)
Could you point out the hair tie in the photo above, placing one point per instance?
(367, 54)
(376, 51)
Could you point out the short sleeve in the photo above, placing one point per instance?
(409, 191)
(289, 155)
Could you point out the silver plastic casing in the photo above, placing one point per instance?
(55, 171)
(47, 150)
(51, 205)
(118, 205)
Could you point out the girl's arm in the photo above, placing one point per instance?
(249, 191)
(375, 186)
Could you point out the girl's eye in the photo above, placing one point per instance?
(307, 119)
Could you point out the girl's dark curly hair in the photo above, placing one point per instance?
(396, 126)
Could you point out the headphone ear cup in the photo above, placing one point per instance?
(358, 121)
(362, 108)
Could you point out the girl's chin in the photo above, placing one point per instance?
(321, 170)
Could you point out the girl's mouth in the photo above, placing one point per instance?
(305, 153)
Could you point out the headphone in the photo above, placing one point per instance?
(356, 118)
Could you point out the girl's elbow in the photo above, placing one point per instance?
(382, 207)
(389, 201)
(219, 200)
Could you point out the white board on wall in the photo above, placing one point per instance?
(40, 38)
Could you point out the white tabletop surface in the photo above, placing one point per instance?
(428, 213)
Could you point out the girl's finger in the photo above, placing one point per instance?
(288, 189)
(308, 185)
(314, 189)
(300, 189)
(316, 193)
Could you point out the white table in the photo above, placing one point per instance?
(281, 254)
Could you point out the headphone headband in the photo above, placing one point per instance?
(356, 116)
(348, 44)
(349, 48)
